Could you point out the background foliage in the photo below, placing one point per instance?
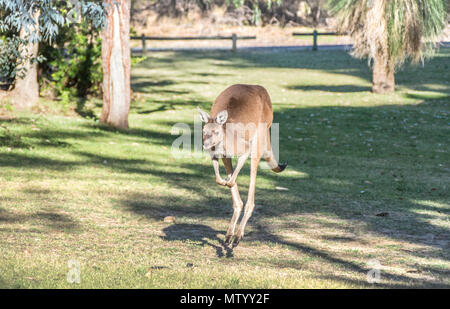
(40, 21)
(73, 67)
(241, 12)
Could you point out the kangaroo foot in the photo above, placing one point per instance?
(228, 240)
(236, 241)
(229, 182)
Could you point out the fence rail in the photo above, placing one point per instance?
(315, 34)
(234, 38)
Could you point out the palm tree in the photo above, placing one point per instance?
(388, 32)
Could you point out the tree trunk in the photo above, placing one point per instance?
(116, 64)
(26, 90)
(383, 80)
(315, 13)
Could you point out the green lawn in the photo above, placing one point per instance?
(72, 189)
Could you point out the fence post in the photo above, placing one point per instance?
(144, 46)
(315, 40)
(234, 38)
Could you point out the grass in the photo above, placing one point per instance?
(72, 189)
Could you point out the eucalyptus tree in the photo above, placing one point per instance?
(388, 32)
(25, 23)
(116, 60)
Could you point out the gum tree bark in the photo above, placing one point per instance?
(116, 64)
(26, 90)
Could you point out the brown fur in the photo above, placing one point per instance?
(245, 104)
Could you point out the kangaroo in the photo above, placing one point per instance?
(238, 126)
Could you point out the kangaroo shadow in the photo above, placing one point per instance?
(203, 234)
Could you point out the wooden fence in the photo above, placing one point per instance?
(315, 34)
(234, 38)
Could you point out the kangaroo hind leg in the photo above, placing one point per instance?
(237, 202)
(250, 205)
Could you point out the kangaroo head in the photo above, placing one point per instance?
(213, 130)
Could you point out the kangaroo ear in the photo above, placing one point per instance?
(222, 117)
(204, 116)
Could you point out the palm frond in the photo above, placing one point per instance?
(394, 29)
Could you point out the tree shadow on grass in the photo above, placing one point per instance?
(161, 106)
(346, 162)
(25, 161)
(157, 207)
(367, 169)
(340, 149)
(85, 112)
(147, 84)
(209, 74)
(334, 62)
(442, 101)
(401, 281)
(330, 88)
(49, 218)
(12, 140)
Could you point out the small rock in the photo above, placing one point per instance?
(169, 219)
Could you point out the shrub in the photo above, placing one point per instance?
(73, 66)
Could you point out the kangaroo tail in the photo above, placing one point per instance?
(273, 164)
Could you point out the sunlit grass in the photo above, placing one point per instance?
(367, 179)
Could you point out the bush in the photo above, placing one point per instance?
(73, 67)
(12, 60)
(35, 21)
